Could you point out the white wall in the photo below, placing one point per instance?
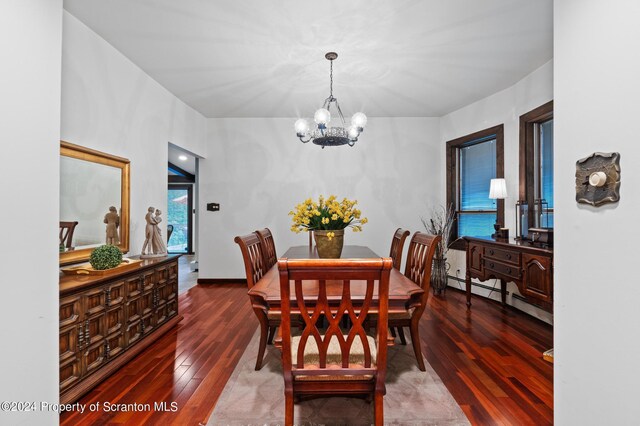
(30, 43)
(504, 107)
(258, 171)
(110, 104)
(596, 347)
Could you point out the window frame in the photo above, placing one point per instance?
(528, 123)
(453, 173)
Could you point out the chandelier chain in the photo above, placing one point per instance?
(331, 80)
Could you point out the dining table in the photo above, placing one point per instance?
(403, 292)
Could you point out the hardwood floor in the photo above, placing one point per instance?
(186, 278)
(489, 358)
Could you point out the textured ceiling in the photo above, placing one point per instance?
(260, 58)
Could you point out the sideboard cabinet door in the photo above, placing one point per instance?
(537, 279)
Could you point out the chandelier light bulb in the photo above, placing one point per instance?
(359, 120)
(322, 116)
(353, 133)
(302, 126)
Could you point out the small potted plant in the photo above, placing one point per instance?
(328, 220)
(105, 257)
(440, 223)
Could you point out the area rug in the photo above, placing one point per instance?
(413, 397)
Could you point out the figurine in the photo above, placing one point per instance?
(153, 243)
(113, 223)
(148, 233)
(159, 247)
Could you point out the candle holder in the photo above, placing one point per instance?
(522, 220)
(541, 213)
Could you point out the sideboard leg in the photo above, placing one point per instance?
(503, 291)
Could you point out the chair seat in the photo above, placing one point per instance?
(401, 315)
(334, 357)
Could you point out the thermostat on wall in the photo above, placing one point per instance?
(213, 207)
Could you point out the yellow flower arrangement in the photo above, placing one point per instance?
(327, 214)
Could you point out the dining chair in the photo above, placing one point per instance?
(334, 360)
(397, 244)
(418, 269)
(268, 247)
(66, 233)
(255, 268)
(169, 232)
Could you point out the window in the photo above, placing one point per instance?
(472, 161)
(536, 164)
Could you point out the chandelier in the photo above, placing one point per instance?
(324, 135)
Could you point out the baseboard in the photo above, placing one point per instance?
(208, 281)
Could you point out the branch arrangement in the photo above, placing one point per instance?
(440, 223)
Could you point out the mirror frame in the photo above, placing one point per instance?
(81, 153)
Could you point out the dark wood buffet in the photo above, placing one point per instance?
(106, 320)
(528, 265)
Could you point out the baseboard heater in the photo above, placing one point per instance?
(473, 284)
(514, 295)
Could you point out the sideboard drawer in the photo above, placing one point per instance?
(511, 271)
(510, 256)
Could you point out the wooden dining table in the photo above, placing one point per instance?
(402, 291)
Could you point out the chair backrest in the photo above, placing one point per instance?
(323, 287)
(419, 262)
(66, 233)
(397, 244)
(251, 249)
(268, 247)
(169, 232)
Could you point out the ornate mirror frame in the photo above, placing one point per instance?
(81, 153)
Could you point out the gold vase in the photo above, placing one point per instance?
(329, 248)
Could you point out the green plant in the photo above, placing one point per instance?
(105, 257)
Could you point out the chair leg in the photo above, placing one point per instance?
(415, 340)
(264, 328)
(403, 340)
(393, 331)
(378, 409)
(272, 332)
(288, 409)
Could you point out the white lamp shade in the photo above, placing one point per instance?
(302, 126)
(498, 189)
(322, 116)
(359, 120)
(353, 133)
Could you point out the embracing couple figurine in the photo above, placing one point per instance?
(154, 242)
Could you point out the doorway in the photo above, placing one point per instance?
(180, 217)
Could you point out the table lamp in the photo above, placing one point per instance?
(498, 191)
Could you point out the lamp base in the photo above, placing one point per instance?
(496, 227)
(500, 231)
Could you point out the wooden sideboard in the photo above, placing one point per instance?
(107, 320)
(521, 262)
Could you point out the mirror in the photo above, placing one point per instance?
(91, 183)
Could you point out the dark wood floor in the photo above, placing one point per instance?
(490, 359)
